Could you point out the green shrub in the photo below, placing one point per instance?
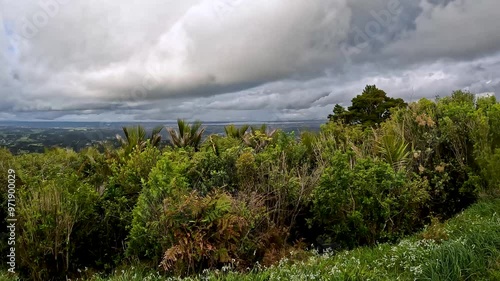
(167, 179)
(103, 246)
(362, 201)
(210, 170)
(187, 230)
(94, 168)
(53, 208)
(341, 137)
(487, 142)
(129, 173)
(444, 138)
(206, 231)
(246, 169)
(286, 175)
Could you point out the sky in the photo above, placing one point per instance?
(236, 60)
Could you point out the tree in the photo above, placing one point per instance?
(187, 135)
(338, 113)
(370, 108)
(234, 132)
(135, 137)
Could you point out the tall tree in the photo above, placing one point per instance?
(371, 107)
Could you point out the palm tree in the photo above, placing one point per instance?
(234, 132)
(186, 135)
(258, 138)
(135, 137)
(264, 130)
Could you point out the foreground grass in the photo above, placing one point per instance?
(466, 247)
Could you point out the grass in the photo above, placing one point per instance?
(467, 247)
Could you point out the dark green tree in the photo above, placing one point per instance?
(371, 107)
(339, 113)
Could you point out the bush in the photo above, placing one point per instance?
(487, 142)
(53, 208)
(105, 241)
(186, 230)
(167, 179)
(210, 170)
(131, 172)
(442, 136)
(207, 231)
(363, 201)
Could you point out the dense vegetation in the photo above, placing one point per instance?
(255, 194)
(466, 247)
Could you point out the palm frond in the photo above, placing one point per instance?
(234, 132)
(186, 135)
(393, 149)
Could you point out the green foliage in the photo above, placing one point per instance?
(371, 107)
(487, 142)
(135, 138)
(94, 168)
(446, 138)
(234, 132)
(391, 145)
(489, 169)
(186, 135)
(361, 201)
(218, 144)
(456, 123)
(339, 114)
(286, 175)
(341, 137)
(258, 138)
(53, 207)
(205, 231)
(471, 252)
(128, 174)
(113, 212)
(210, 170)
(167, 179)
(37, 168)
(246, 170)
(250, 195)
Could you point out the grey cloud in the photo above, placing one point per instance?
(238, 59)
(461, 30)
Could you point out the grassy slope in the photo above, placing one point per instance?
(466, 247)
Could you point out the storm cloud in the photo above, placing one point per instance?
(236, 59)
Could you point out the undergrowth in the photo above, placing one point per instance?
(466, 247)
